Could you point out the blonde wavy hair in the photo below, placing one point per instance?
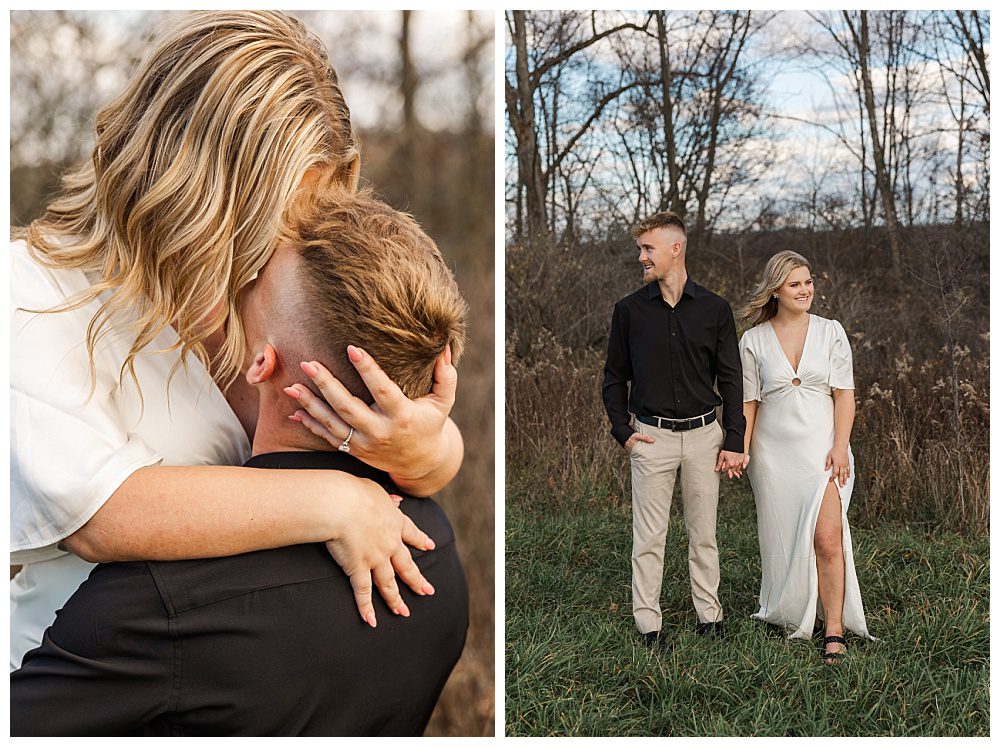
(194, 170)
(762, 305)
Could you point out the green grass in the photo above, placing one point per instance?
(575, 665)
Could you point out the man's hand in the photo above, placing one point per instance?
(636, 438)
(731, 462)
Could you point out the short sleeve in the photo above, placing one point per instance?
(751, 371)
(70, 450)
(841, 360)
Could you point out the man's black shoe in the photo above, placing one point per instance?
(713, 629)
(651, 640)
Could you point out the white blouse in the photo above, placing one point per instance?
(70, 449)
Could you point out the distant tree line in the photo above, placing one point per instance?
(614, 115)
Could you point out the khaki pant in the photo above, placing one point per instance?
(654, 471)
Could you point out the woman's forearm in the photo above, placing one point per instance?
(173, 513)
(843, 417)
(750, 413)
(452, 452)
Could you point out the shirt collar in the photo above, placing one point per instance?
(691, 289)
(336, 460)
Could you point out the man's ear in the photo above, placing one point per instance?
(263, 365)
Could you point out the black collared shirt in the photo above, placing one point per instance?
(674, 357)
(263, 643)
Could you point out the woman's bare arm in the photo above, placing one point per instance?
(452, 451)
(844, 409)
(173, 513)
(750, 413)
(843, 423)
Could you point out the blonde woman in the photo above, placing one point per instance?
(798, 384)
(127, 341)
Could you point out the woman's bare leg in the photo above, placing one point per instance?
(828, 542)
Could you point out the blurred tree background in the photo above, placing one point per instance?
(420, 87)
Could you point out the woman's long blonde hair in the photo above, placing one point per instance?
(762, 304)
(193, 169)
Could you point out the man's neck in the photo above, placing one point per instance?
(672, 286)
(275, 432)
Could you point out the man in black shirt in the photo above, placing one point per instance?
(271, 642)
(675, 343)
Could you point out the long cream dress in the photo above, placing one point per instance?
(793, 433)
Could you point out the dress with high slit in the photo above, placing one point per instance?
(793, 433)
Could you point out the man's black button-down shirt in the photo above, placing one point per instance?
(263, 643)
(673, 356)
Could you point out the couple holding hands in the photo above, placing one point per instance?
(786, 391)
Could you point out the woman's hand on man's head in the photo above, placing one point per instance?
(410, 439)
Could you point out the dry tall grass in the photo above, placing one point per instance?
(921, 365)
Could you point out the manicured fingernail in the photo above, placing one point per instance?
(354, 353)
(292, 392)
(296, 418)
(427, 589)
(370, 619)
(403, 610)
(429, 544)
(309, 368)
(447, 353)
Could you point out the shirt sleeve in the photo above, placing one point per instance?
(751, 370)
(71, 447)
(841, 359)
(617, 375)
(730, 381)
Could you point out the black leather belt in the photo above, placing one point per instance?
(673, 424)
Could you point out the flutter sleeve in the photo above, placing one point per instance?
(751, 370)
(841, 359)
(69, 451)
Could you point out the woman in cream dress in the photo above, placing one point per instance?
(798, 396)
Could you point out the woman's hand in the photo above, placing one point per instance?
(371, 550)
(841, 464)
(412, 440)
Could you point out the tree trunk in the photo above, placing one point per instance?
(881, 174)
(672, 197)
(526, 137)
(408, 132)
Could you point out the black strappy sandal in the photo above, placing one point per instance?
(831, 657)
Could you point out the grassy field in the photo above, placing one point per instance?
(575, 665)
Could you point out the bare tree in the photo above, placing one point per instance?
(860, 36)
(694, 112)
(556, 39)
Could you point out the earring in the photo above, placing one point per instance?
(774, 295)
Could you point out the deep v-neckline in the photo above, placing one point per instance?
(802, 352)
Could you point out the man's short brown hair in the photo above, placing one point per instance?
(372, 278)
(662, 219)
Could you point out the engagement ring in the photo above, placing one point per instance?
(347, 441)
